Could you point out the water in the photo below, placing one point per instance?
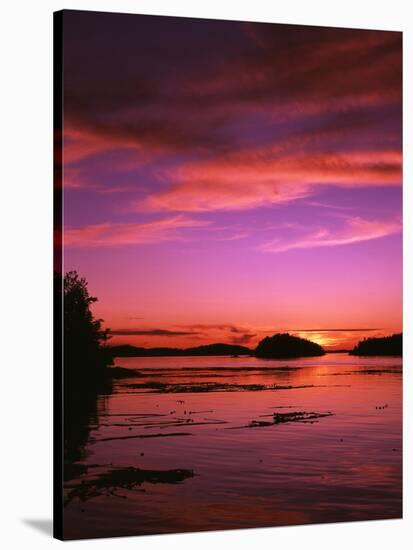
(225, 473)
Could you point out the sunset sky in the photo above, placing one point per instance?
(225, 180)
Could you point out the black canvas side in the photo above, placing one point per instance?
(58, 279)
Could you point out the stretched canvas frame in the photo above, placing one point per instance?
(233, 170)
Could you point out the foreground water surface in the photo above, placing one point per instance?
(204, 443)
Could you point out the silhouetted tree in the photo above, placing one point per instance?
(388, 345)
(284, 346)
(85, 356)
(85, 359)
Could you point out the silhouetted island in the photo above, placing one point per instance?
(277, 346)
(284, 346)
(211, 349)
(388, 345)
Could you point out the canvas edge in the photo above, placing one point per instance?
(57, 279)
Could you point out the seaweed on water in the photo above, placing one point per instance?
(128, 478)
(140, 436)
(122, 372)
(299, 416)
(364, 371)
(148, 385)
(378, 371)
(283, 418)
(193, 423)
(197, 370)
(140, 415)
(203, 387)
(166, 424)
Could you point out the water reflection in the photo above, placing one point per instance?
(300, 441)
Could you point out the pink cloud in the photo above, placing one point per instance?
(80, 143)
(111, 234)
(260, 177)
(356, 230)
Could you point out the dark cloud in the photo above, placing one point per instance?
(306, 63)
(126, 76)
(237, 334)
(177, 84)
(217, 326)
(149, 332)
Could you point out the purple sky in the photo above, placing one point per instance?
(226, 180)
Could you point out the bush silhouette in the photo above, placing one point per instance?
(287, 346)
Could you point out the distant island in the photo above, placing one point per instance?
(211, 349)
(278, 346)
(282, 346)
(388, 345)
(285, 346)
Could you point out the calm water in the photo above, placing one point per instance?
(208, 465)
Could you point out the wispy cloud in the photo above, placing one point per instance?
(354, 231)
(111, 234)
(234, 334)
(331, 330)
(260, 177)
